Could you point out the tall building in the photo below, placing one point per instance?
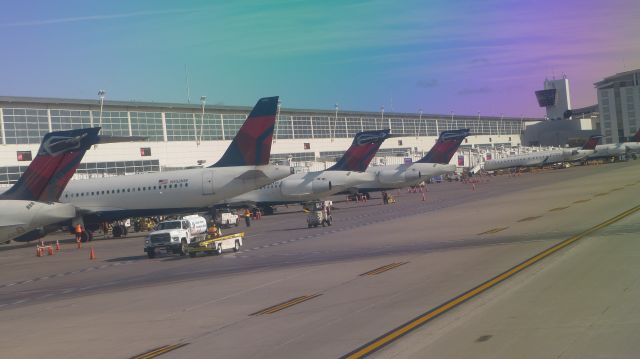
(619, 104)
(555, 98)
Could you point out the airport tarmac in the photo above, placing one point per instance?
(321, 292)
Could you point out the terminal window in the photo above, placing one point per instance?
(24, 155)
(145, 151)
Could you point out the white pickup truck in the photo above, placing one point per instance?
(226, 218)
(176, 235)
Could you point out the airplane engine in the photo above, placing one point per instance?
(395, 177)
(412, 175)
(305, 187)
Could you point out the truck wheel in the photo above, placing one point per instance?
(184, 247)
(236, 246)
(324, 222)
(192, 254)
(329, 221)
(309, 225)
(151, 252)
(237, 221)
(219, 249)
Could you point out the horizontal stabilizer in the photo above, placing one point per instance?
(119, 139)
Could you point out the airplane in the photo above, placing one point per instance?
(313, 186)
(243, 167)
(541, 158)
(616, 150)
(434, 163)
(32, 203)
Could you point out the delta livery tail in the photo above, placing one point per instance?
(252, 144)
(363, 148)
(58, 157)
(636, 137)
(592, 142)
(446, 145)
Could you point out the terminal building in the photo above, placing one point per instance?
(186, 135)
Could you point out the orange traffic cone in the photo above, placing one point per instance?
(92, 254)
(50, 250)
(57, 245)
(38, 253)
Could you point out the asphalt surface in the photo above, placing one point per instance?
(123, 304)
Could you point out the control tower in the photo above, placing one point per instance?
(555, 98)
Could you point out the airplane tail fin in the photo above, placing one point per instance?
(364, 146)
(592, 142)
(446, 145)
(59, 155)
(252, 144)
(636, 137)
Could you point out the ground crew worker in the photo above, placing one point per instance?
(247, 217)
(214, 231)
(78, 233)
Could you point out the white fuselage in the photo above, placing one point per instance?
(303, 187)
(18, 217)
(537, 159)
(615, 149)
(399, 176)
(142, 194)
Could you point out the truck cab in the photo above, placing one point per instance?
(175, 235)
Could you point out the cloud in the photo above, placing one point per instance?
(427, 83)
(88, 18)
(474, 91)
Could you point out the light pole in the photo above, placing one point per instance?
(501, 124)
(382, 114)
(451, 119)
(419, 123)
(335, 123)
(101, 94)
(203, 101)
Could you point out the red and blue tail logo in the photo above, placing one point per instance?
(57, 160)
(252, 144)
(636, 137)
(364, 146)
(592, 142)
(446, 145)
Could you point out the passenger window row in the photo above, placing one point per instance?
(125, 190)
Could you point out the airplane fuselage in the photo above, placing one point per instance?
(158, 193)
(399, 176)
(303, 187)
(535, 159)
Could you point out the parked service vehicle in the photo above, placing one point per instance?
(226, 218)
(175, 235)
(319, 214)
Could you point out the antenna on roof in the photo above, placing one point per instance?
(186, 80)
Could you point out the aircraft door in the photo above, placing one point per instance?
(207, 182)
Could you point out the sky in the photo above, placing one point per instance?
(463, 56)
